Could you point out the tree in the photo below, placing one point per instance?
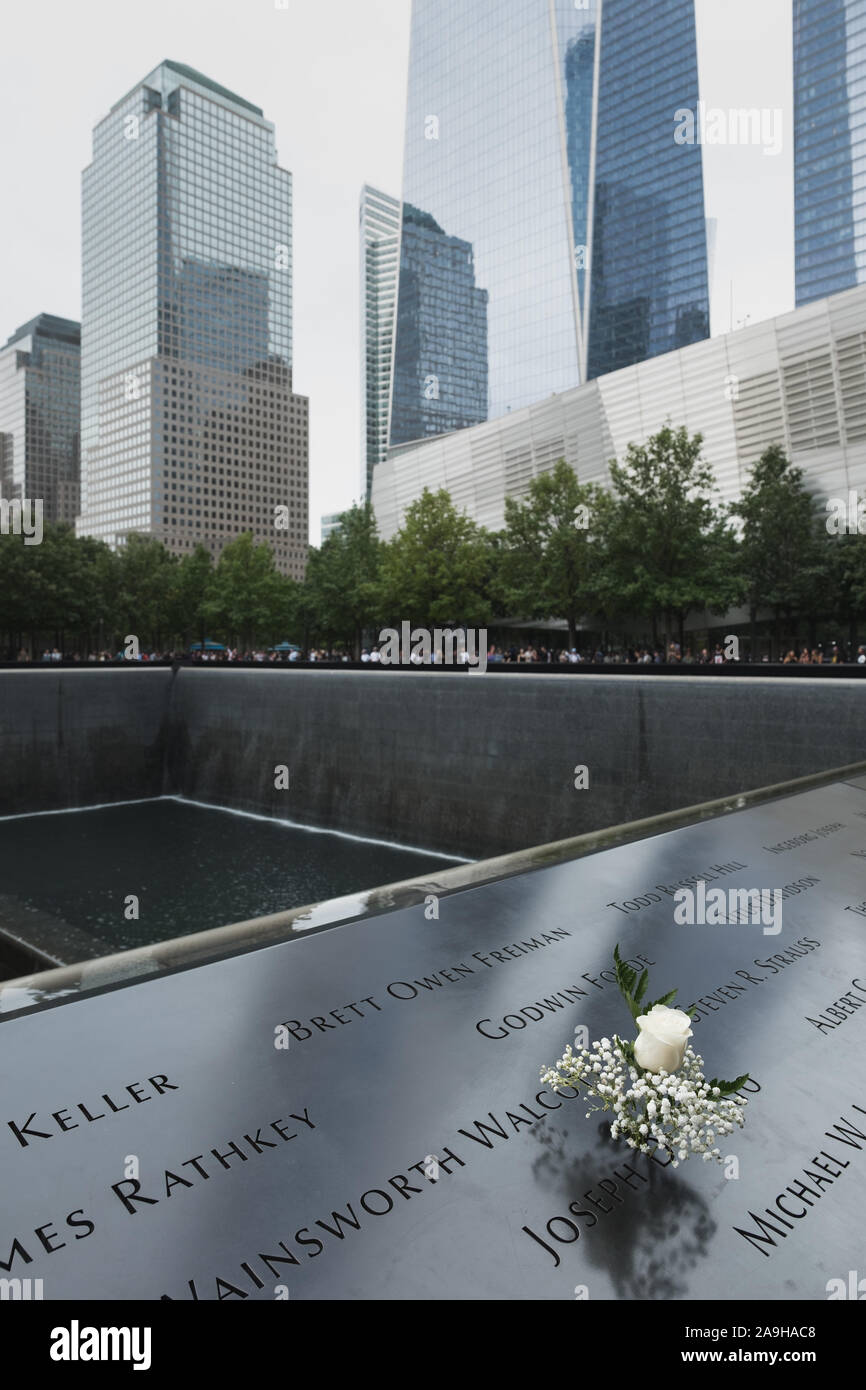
(16, 602)
(668, 549)
(145, 587)
(547, 550)
(246, 598)
(342, 580)
(96, 570)
(847, 559)
(437, 569)
(778, 548)
(192, 581)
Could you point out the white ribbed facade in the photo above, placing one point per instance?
(798, 381)
(380, 258)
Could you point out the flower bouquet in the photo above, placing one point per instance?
(655, 1086)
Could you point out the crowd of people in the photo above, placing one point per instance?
(674, 655)
(534, 655)
(262, 655)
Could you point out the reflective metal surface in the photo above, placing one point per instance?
(406, 1033)
(829, 113)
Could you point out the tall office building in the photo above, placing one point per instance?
(380, 250)
(190, 429)
(40, 415)
(649, 291)
(829, 146)
(553, 228)
(440, 371)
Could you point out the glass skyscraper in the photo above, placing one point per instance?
(380, 251)
(190, 428)
(441, 333)
(40, 415)
(649, 292)
(829, 146)
(553, 230)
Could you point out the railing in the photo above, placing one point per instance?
(736, 669)
(47, 987)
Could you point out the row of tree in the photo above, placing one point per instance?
(637, 559)
(79, 594)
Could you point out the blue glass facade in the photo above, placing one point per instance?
(650, 289)
(537, 133)
(441, 331)
(829, 146)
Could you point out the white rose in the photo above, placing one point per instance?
(661, 1043)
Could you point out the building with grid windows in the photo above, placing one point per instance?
(329, 524)
(380, 250)
(553, 229)
(40, 415)
(829, 146)
(190, 429)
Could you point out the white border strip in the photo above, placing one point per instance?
(250, 815)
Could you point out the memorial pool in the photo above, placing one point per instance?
(69, 876)
(339, 1116)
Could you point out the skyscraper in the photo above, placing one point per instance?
(380, 250)
(191, 431)
(441, 334)
(553, 229)
(40, 416)
(829, 146)
(649, 290)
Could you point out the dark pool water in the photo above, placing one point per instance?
(190, 867)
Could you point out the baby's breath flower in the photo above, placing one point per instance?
(651, 1110)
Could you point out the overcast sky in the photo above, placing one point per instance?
(331, 76)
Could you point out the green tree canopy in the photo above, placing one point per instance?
(847, 564)
(191, 588)
(668, 547)
(780, 548)
(437, 569)
(548, 554)
(342, 583)
(145, 583)
(247, 597)
(65, 588)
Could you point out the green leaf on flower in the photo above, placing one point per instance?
(625, 978)
(666, 1000)
(727, 1088)
(633, 989)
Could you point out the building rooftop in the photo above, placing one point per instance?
(49, 326)
(193, 75)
